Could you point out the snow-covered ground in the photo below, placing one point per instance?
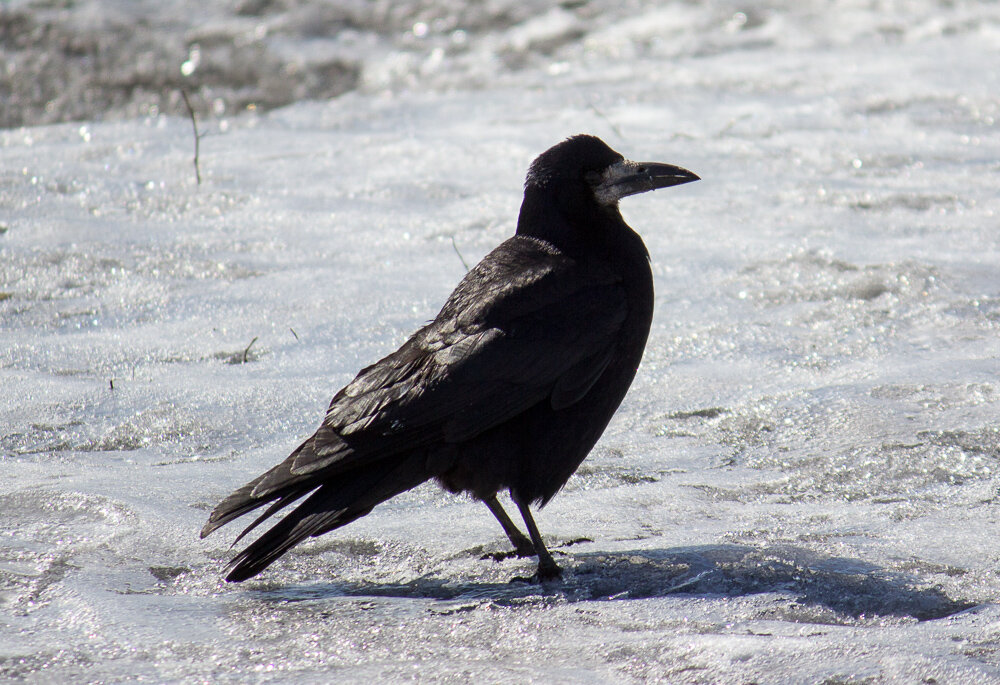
(802, 485)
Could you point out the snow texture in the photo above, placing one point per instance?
(801, 486)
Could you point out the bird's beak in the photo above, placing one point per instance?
(626, 178)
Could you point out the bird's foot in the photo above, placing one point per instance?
(522, 548)
(545, 573)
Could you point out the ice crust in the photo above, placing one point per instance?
(800, 487)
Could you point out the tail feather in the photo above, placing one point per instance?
(245, 500)
(335, 503)
(234, 506)
(271, 510)
(291, 530)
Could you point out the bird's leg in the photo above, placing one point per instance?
(522, 545)
(547, 567)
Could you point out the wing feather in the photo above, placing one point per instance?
(492, 353)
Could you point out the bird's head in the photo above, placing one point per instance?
(581, 176)
(586, 162)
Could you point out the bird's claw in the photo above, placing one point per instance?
(547, 572)
(520, 551)
(544, 574)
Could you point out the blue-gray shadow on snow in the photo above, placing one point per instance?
(819, 589)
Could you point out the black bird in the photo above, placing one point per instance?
(508, 388)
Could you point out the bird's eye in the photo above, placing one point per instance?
(592, 177)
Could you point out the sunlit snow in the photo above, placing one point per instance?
(801, 485)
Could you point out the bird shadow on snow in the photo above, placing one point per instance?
(819, 589)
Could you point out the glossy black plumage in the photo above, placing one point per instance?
(507, 389)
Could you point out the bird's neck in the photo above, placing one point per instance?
(580, 228)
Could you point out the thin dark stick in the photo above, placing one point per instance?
(455, 247)
(197, 136)
(247, 350)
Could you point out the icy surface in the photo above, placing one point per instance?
(800, 487)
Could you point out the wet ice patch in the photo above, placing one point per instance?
(814, 277)
(45, 534)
